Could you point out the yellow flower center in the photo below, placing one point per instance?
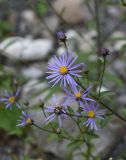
(91, 114)
(11, 99)
(63, 70)
(78, 95)
(28, 121)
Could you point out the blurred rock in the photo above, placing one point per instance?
(118, 40)
(52, 22)
(114, 11)
(71, 10)
(34, 91)
(29, 16)
(109, 136)
(118, 34)
(61, 50)
(119, 65)
(28, 22)
(32, 72)
(83, 42)
(122, 99)
(17, 48)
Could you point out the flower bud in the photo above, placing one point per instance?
(58, 131)
(61, 36)
(79, 109)
(41, 104)
(104, 52)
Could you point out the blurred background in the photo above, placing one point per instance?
(27, 42)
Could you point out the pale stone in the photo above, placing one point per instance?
(71, 10)
(17, 48)
(32, 72)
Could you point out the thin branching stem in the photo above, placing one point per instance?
(59, 135)
(102, 103)
(101, 81)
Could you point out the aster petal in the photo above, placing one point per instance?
(3, 99)
(50, 118)
(94, 124)
(87, 90)
(53, 69)
(87, 99)
(101, 112)
(81, 103)
(57, 61)
(69, 59)
(18, 105)
(21, 124)
(70, 80)
(72, 62)
(24, 114)
(67, 92)
(74, 74)
(75, 66)
(74, 89)
(52, 76)
(17, 92)
(54, 99)
(59, 121)
(9, 105)
(57, 81)
(64, 80)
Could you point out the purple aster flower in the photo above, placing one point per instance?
(26, 119)
(61, 36)
(92, 114)
(63, 70)
(56, 110)
(10, 99)
(77, 95)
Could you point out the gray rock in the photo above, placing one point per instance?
(34, 91)
(52, 22)
(109, 136)
(17, 48)
(71, 10)
(32, 72)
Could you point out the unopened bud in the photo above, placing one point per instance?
(41, 104)
(26, 103)
(61, 36)
(80, 109)
(104, 52)
(58, 131)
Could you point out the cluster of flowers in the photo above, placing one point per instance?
(11, 99)
(63, 70)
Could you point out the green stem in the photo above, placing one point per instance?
(101, 80)
(59, 135)
(43, 129)
(123, 3)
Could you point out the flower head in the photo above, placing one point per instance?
(10, 99)
(61, 36)
(77, 95)
(26, 119)
(92, 114)
(63, 70)
(55, 110)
